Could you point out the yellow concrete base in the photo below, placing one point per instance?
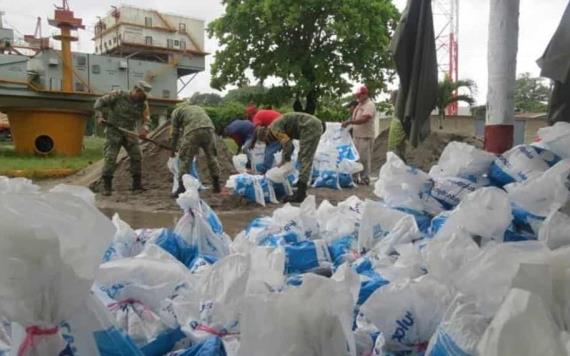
(64, 128)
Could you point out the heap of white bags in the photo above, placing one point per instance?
(460, 261)
(334, 164)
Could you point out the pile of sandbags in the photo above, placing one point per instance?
(471, 258)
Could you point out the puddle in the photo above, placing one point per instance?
(143, 219)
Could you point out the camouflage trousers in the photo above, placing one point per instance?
(311, 132)
(113, 143)
(201, 138)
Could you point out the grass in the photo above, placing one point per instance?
(31, 164)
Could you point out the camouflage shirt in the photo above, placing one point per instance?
(187, 118)
(122, 111)
(289, 126)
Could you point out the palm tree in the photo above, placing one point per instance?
(446, 95)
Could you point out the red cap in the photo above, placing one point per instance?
(363, 90)
(250, 110)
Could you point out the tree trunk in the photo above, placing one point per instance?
(441, 118)
(501, 59)
(311, 105)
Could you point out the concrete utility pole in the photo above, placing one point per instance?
(502, 63)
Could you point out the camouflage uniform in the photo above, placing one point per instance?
(128, 114)
(304, 127)
(197, 132)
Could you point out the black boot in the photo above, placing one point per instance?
(137, 184)
(179, 191)
(216, 184)
(300, 194)
(107, 186)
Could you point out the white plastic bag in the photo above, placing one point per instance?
(400, 185)
(489, 274)
(557, 138)
(173, 165)
(485, 212)
(325, 167)
(462, 160)
(339, 137)
(555, 230)
(51, 246)
(303, 320)
(200, 226)
(521, 163)
(408, 312)
(445, 254)
(125, 241)
(460, 330)
(240, 162)
(544, 193)
(449, 191)
(80, 192)
(339, 221)
(377, 222)
(523, 325)
(213, 305)
(17, 185)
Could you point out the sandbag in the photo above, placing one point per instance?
(462, 160)
(556, 138)
(522, 313)
(303, 320)
(408, 312)
(521, 163)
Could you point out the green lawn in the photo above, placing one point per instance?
(11, 161)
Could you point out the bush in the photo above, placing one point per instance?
(223, 114)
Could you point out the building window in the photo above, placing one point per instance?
(79, 86)
(182, 27)
(176, 43)
(95, 69)
(169, 43)
(166, 94)
(81, 60)
(182, 44)
(148, 40)
(148, 21)
(110, 43)
(114, 39)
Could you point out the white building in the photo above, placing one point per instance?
(144, 32)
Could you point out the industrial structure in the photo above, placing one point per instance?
(49, 93)
(446, 16)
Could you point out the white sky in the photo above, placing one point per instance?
(538, 21)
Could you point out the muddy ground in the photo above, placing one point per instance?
(155, 208)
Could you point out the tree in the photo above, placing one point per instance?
(446, 95)
(531, 94)
(315, 48)
(205, 99)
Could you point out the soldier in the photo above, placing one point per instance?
(130, 111)
(197, 132)
(308, 130)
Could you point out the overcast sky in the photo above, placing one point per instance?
(538, 21)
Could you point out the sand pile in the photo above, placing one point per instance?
(155, 173)
(425, 155)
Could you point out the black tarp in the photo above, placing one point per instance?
(555, 64)
(414, 52)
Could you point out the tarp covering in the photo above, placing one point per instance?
(413, 50)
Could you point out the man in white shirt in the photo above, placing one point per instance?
(362, 122)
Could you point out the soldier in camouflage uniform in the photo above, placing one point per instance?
(197, 131)
(303, 127)
(130, 111)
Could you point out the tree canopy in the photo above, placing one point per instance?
(314, 48)
(205, 99)
(531, 94)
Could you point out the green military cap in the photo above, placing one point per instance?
(144, 86)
